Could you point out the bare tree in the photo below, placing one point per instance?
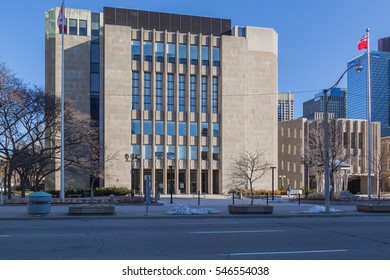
(337, 152)
(249, 167)
(30, 131)
(380, 167)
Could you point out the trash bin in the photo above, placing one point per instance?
(39, 203)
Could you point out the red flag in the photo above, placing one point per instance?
(363, 43)
(61, 20)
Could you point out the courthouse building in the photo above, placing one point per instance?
(181, 95)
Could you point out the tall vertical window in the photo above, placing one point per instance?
(148, 51)
(135, 91)
(95, 27)
(159, 151)
(204, 94)
(216, 153)
(148, 152)
(216, 56)
(136, 50)
(194, 54)
(193, 94)
(205, 129)
(170, 95)
(159, 128)
(353, 140)
(147, 91)
(205, 55)
(345, 139)
(135, 127)
(159, 92)
(182, 93)
(171, 52)
(360, 140)
(205, 152)
(182, 152)
(171, 152)
(182, 128)
(82, 27)
(193, 129)
(215, 94)
(216, 132)
(136, 150)
(148, 127)
(159, 53)
(183, 53)
(72, 26)
(171, 128)
(194, 152)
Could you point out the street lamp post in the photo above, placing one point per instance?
(131, 158)
(358, 68)
(306, 163)
(171, 181)
(273, 181)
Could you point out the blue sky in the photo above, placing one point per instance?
(316, 38)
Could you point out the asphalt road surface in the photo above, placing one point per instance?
(299, 238)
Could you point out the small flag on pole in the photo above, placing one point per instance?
(363, 43)
(61, 20)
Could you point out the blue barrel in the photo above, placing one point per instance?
(39, 203)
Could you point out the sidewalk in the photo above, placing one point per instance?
(282, 208)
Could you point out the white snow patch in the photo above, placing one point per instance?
(185, 210)
(320, 209)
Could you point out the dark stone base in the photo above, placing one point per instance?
(373, 207)
(250, 209)
(94, 209)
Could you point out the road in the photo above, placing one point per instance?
(299, 238)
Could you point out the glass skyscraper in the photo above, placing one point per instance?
(380, 90)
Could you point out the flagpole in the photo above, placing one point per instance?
(369, 162)
(62, 191)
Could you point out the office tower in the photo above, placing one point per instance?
(285, 106)
(313, 109)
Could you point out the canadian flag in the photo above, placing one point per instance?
(61, 20)
(363, 43)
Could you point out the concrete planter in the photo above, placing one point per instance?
(250, 209)
(373, 207)
(92, 209)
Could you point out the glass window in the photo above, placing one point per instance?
(135, 91)
(182, 129)
(159, 53)
(241, 32)
(95, 27)
(182, 93)
(147, 91)
(205, 152)
(215, 153)
(194, 152)
(215, 95)
(148, 151)
(83, 27)
(171, 98)
(216, 130)
(72, 26)
(193, 94)
(194, 54)
(159, 92)
(148, 51)
(159, 151)
(171, 52)
(136, 50)
(205, 129)
(216, 56)
(193, 129)
(345, 139)
(205, 55)
(136, 150)
(353, 140)
(182, 53)
(204, 94)
(360, 140)
(159, 127)
(148, 127)
(95, 67)
(95, 53)
(95, 82)
(135, 127)
(171, 152)
(182, 152)
(171, 128)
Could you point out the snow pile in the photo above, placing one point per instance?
(185, 210)
(320, 209)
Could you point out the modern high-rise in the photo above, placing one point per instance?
(313, 109)
(285, 106)
(181, 95)
(380, 90)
